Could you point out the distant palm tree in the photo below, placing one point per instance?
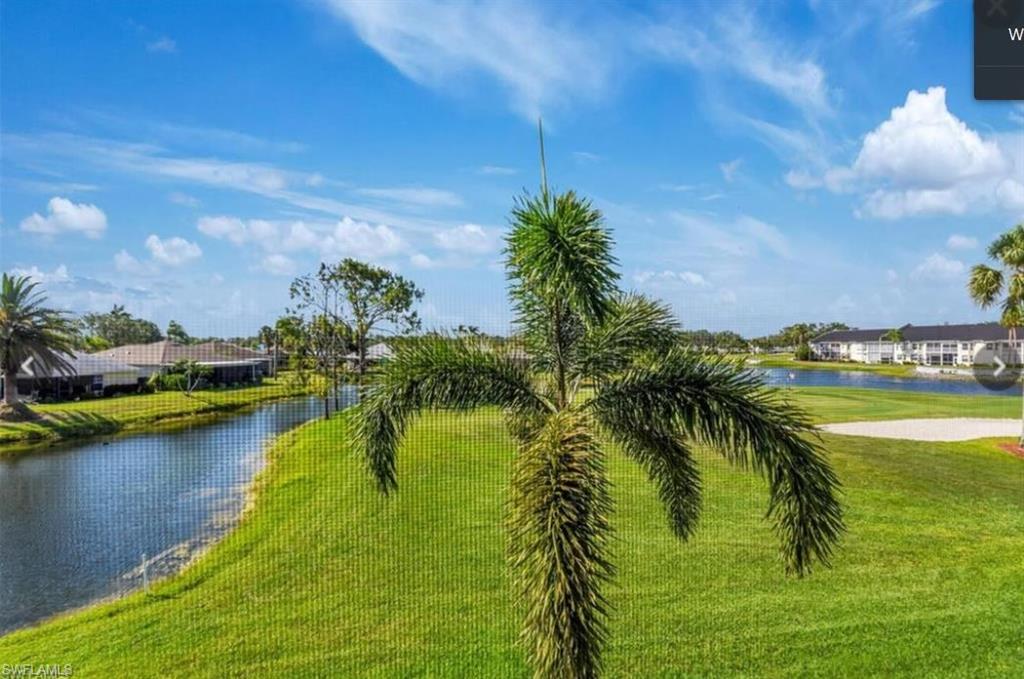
(268, 338)
(894, 335)
(601, 364)
(31, 335)
(1004, 286)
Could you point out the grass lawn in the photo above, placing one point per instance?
(843, 404)
(112, 414)
(325, 578)
(787, 361)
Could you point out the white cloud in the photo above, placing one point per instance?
(938, 266)
(689, 278)
(767, 235)
(542, 62)
(425, 197)
(179, 198)
(162, 45)
(730, 169)
(422, 261)
(801, 180)
(924, 160)
(923, 145)
(737, 42)
(1010, 194)
(958, 242)
(58, 275)
(125, 262)
(468, 238)
(173, 251)
(497, 170)
(351, 238)
(63, 216)
(344, 238)
(743, 237)
(279, 265)
(225, 228)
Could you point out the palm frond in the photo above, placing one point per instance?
(1008, 248)
(666, 458)
(435, 373)
(634, 324)
(560, 250)
(30, 330)
(984, 285)
(558, 537)
(719, 403)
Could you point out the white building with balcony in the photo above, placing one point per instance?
(938, 345)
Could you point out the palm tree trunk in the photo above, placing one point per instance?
(10, 388)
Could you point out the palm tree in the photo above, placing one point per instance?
(268, 338)
(30, 333)
(603, 366)
(1004, 285)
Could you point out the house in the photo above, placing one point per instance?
(939, 345)
(375, 353)
(90, 375)
(230, 363)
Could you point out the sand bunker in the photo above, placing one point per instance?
(944, 429)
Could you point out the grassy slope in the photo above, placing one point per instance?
(326, 578)
(109, 415)
(787, 361)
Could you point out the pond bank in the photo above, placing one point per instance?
(142, 506)
(124, 414)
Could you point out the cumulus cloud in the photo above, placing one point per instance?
(174, 251)
(224, 228)
(923, 145)
(125, 262)
(345, 238)
(64, 216)
(279, 265)
(58, 275)
(358, 239)
(468, 238)
(938, 266)
(958, 242)
(924, 160)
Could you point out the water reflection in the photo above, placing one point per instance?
(76, 520)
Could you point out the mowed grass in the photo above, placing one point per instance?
(843, 404)
(133, 411)
(325, 578)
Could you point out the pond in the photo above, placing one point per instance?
(76, 520)
(782, 377)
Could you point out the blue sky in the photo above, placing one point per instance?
(759, 163)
